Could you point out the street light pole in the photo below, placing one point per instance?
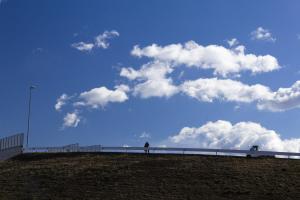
(29, 111)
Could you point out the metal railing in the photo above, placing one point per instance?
(157, 150)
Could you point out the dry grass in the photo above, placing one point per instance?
(139, 176)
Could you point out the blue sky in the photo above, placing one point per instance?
(38, 41)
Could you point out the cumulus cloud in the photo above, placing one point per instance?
(61, 101)
(152, 80)
(71, 120)
(218, 58)
(210, 89)
(94, 98)
(232, 42)
(262, 34)
(242, 135)
(283, 99)
(100, 41)
(101, 96)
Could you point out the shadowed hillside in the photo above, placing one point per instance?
(139, 176)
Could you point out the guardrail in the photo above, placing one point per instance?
(11, 146)
(157, 150)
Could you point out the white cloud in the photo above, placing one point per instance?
(101, 41)
(152, 70)
(145, 135)
(152, 80)
(100, 97)
(82, 46)
(262, 34)
(232, 42)
(61, 101)
(210, 89)
(94, 98)
(222, 60)
(283, 99)
(71, 120)
(155, 88)
(242, 135)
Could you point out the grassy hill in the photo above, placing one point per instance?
(139, 176)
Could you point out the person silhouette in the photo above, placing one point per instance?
(146, 146)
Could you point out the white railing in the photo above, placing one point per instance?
(157, 150)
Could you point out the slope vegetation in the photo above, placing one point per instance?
(140, 176)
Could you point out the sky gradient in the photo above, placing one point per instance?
(134, 70)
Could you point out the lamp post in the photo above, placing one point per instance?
(29, 110)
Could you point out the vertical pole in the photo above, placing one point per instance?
(28, 119)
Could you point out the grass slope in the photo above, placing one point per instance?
(139, 177)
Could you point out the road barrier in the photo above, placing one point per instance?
(11, 146)
(160, 150)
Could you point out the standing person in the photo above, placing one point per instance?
(146, 146)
